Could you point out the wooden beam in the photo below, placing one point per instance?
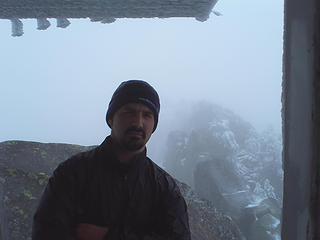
(199, 9)
(301, 114)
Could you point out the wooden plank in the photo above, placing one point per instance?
(199, 9)
(301, 112)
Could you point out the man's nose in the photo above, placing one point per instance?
(138, 119)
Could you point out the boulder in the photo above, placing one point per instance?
(25, 168)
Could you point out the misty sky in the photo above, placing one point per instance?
(56, 84)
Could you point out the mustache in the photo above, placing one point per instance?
(135, 129)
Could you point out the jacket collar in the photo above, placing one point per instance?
(109, 156)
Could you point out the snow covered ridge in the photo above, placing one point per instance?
(232, 165)
(105, 11)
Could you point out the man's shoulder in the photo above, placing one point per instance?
(157, 169)
(161, 175)
(81, 158)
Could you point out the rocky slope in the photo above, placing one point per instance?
(228, 162)
(25, 168)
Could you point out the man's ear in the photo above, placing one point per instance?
(110, 122)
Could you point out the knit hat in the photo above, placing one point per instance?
(136, 91)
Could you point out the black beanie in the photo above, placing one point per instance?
(136, 91)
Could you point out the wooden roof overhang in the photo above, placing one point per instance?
(105, 11)
(199, 9)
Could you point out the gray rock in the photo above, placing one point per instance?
(25, 168)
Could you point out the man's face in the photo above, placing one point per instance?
(132, 126)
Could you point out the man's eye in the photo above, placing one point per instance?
(148, 115)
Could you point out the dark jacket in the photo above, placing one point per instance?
(136, 202)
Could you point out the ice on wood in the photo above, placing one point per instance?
(43, 23)
(62, 22)
(17, 27)
(104, 11)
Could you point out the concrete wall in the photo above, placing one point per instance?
(301, 109)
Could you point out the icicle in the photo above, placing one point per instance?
(96, 19)
(62, 22)
(43, 23)
(202, 18)
(217, 13)
(103, 19)
(108, 20)
(17, 27)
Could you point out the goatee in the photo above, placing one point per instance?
(134, 143)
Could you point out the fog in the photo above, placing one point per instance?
(56, 84)
(219, 83)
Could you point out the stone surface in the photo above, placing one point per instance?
(25, 168)
(228, 162)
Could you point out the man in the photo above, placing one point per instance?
(115, 191)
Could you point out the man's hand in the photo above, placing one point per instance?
(90, 232)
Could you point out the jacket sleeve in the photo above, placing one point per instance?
(173, 222)
(54, 216)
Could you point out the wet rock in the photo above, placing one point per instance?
(25, 168)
